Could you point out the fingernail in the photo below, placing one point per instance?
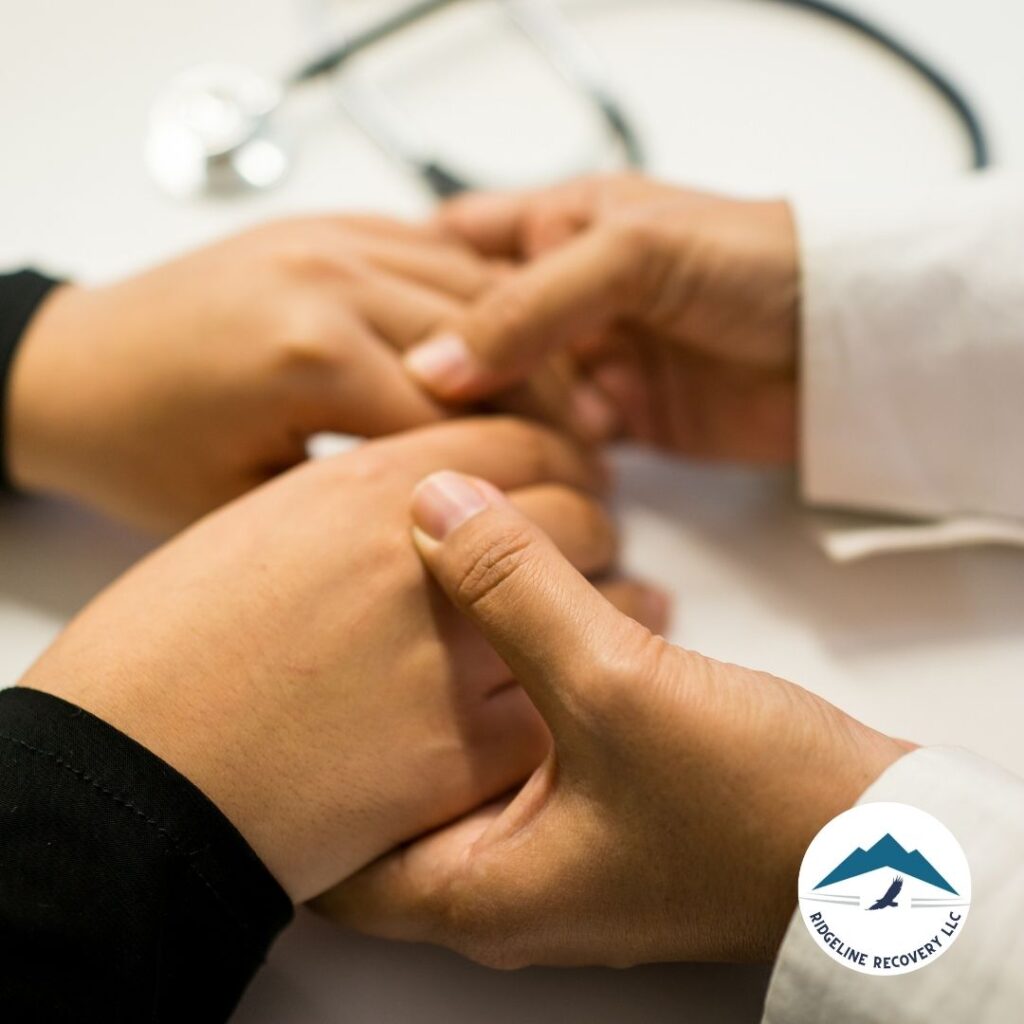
(445, 500)
(592, 414)
(443, 364)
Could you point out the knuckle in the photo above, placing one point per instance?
(312, 254)
(505, 315)
(489, 562)
(307, 336)
(531, 443)
(367, 468)
(420, 321)
(297, 346)
(533, 448)
(301, 345)
(630, 235)
(635, 242)
(624, 672)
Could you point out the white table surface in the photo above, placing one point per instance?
(735, 94)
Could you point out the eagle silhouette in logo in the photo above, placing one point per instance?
(889, 899)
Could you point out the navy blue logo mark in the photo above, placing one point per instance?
(889, 898)
(887, 853)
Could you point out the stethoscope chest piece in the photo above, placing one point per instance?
(211, 133)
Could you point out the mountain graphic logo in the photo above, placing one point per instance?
(886, 853)
(884, 909)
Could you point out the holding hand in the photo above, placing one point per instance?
(289, 656)
(680, 310)
(159, 398)
(669, 819)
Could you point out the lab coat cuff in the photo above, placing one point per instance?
(846, 538)
(979, 978)
(910, 363)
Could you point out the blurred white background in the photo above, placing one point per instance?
(735, 94)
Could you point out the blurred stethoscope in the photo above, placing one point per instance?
(216, 128)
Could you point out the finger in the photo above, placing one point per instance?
(402, 312)
(627, 386)
(366, 393)
(553, 224)
(441, 266)
(522, 225)
(583, 532)
(394, 896)
(576, 289)
(477, 887)
(489, 222)
(508, 452)
(598, 346)
(732, 413)
(577, 525)
(553, 395)
(382, 226)
(513, 584)
(646, 604)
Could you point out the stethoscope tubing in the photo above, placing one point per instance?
(551, 36)
(554, 36)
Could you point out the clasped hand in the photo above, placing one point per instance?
(296, 661)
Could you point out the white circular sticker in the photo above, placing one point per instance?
(884, 888)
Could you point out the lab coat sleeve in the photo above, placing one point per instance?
(979, 978)
(912, 361)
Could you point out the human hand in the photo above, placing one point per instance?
(680, 309)
(670, 817)
(289, 655)
(160, 397)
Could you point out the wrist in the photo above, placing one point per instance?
(42, 423)
(774, 250)
(860, 757)
(192, 741)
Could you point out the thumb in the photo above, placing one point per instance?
(578, 288)
(540, 615)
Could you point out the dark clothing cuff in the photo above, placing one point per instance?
(20, 296)
(125, 894)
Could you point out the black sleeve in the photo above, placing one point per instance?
(125, 894)
(20, 296)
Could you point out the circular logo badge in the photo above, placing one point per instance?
(884, 889)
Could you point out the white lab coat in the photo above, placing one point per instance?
(913, 385)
